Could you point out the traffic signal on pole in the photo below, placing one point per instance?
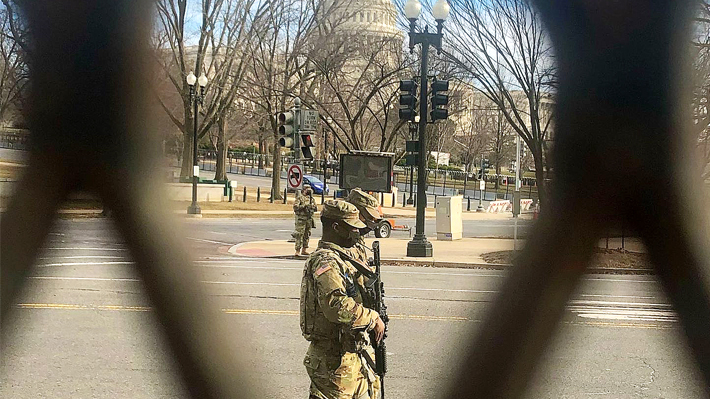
(485, 164)
(306, 144)
(408, 100)
(287, 128)
(439, 100)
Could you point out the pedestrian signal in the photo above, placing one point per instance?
(306, 144)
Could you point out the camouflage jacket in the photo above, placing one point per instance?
(331, 298)
(304, 207)
(359, 251)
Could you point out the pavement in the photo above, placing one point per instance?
(388, 212)
(466, 251)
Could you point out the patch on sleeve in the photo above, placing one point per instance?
(323, 269)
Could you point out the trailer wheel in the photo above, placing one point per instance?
(383, 229)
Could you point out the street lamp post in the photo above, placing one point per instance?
(410, 201)
(196, 100)
(419, 246)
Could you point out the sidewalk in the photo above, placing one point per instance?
(464, 253)
(393, 213)
(411, 212)
(467, 251)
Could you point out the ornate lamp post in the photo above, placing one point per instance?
(196, 100)
(419, 246)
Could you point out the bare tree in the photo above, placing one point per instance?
(501, 46)
(13, 68)
(280, 63)
(357, 89)
(700, 53)
(219, 49)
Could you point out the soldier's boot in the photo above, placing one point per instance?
(304, 252)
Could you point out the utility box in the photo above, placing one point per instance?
(449, 225)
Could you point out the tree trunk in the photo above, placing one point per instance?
(497, 172)
(186, 169)
(276, 172)
(261, 149)
(540, 177)
(220, 170)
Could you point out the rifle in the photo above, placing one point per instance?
(381, 309)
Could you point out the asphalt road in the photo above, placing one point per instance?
(231, 231)
(84, 328)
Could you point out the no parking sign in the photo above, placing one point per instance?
(294, 176)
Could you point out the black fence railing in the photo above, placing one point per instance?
(15, 139)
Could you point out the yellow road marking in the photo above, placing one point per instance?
(61, 306)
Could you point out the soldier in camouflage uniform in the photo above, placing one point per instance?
(304, 207)
(340, 358)
(368, 206)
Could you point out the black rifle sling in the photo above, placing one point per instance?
(363, 269)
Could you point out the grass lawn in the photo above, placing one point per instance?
(602, 258)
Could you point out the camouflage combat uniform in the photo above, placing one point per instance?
(304, 207)
(335, 321)
(368, 206)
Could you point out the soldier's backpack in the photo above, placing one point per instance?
(309, 298)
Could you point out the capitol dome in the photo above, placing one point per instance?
(368, 17)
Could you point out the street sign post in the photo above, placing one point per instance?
(294, 176)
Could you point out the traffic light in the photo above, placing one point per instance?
(439, 100)
(485, 164)
(306, 144)
(408, 99)
(287, 128)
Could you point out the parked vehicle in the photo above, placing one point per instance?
(314, 183)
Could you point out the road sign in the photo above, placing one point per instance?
(310, 120)
(482, 184)
(294, 176)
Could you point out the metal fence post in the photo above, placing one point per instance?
(443, 189)
(244, 199)
(258, 194)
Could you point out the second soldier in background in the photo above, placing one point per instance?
(368, 207)
(304, 207)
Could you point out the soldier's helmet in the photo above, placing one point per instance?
(306, 190)
(366, 204)
(342, 211)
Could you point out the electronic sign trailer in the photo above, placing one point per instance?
(370, 171)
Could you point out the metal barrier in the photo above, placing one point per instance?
(15, 139)
(90, 132)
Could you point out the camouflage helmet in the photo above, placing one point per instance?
(366, 204)
(342, 211)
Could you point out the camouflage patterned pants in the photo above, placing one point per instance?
(339, 377)
(302, 233)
